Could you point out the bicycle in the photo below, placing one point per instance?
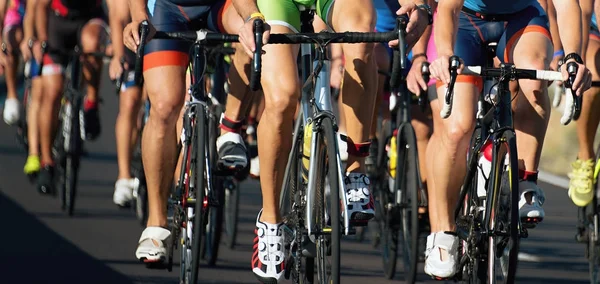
(313, 173)
(140, 194)
(198, 193)
(399, 190)
(68, 144)
(488, 223)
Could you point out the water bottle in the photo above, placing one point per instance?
(392, 159)
(308, 131)
(484, 168)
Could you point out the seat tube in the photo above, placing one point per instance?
(306, 18)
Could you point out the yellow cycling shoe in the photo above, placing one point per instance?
(32, 166)
(581, 185)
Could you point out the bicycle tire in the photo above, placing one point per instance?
(73, 157)
(22, 127)
(407, 179)
(592, 249)
(198, 176)
(329, 247)
(232, 201)
(214, 226)
(503, 261)
(389, 237)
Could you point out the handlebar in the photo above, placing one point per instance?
(572, 103)
(399, 61)
(121, 79)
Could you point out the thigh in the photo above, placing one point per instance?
(593, 54)
(352, 15)
(525, 29)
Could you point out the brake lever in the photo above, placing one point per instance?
(447, 106)
(426, 77)
(572, 69)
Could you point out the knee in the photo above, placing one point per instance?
(129, 103)
(422, 129)
(456, 135)
(280, 105)
(164, 112)
(52, 92)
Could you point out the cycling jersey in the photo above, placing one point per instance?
(14, 14)
(177, 16)
(594, 33)
(77, 8)
(286, 12)
(474, 34)
(498, 7)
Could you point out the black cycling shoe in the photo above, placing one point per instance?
(371, 160)
(45, 180)
(91, 122)
(233, 156)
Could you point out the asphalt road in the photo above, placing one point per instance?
(40, 244)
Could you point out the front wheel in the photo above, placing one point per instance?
(504, 222)
(232, 201)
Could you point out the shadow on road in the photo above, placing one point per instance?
(33, 253)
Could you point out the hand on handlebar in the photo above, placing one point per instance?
(417, 23)
(246, 36)
(131, 33)
(583, 78)
(440, 69)
(115, 70)
(414, 80)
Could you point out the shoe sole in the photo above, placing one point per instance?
(531, 222)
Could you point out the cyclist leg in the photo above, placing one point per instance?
(32, 165)
(62, 37)
(126, 132)
(531, 111)
(231, 147)
(447, 147)
(582, 176)
(358, 95)
(92, 38)
(12, 36)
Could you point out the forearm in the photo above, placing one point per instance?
(568, 17)
(551, 11)
(245, 8)
(41, 25)
(587, 9)
(421, 46)
(29, 20)
(137, 9)
(446, 26)
(118, 18)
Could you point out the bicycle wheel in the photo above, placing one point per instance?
(503, 244)
(593, 251)
(406, 188)
(232, 201)
(198, 183)
(22, 134)
(329, 237)
(72, 157)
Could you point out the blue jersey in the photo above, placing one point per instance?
(594, 22)
(496, 7)
(386, 14)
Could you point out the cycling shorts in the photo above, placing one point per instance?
(594, 33)
(32, 69)
(177, 16)
(474, 34)
(63, 35)
(14, 14)
(287, 13)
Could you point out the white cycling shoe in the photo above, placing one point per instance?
(531, 213)
(11, 111)
(434, 265)
(124, 189)
(151, 246)
(268, 256)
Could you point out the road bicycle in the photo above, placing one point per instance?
(488, 223)
(68, 143)
(399, 190)
(197, 199)
(311, 201)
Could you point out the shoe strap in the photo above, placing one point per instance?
(530, 187)
(445, 241)
(155, 233)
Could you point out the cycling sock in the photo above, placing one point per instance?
(45, 164)
(528, 176)
(251, 120)
(89, 104)
(231, 125)
(357, 149)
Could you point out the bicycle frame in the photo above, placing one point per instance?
(315, 104)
